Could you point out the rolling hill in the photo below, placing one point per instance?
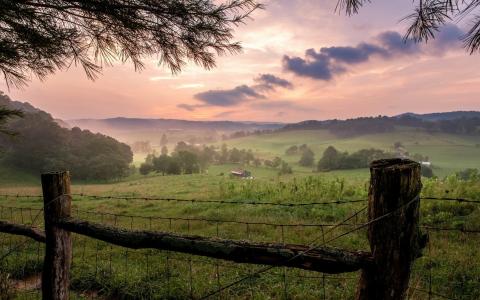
(135, 129)
(452, 115)
(447, 152)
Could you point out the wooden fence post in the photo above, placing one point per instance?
(395, 239)
(58, 246)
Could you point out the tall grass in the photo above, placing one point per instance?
(452, 260)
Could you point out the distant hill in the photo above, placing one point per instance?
(452, 115)
(131, 130)
(43, 144)
(23, 106)
(450, 122)
(169, 124)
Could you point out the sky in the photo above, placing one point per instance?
(301, 60)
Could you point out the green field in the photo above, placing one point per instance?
(452, 261)
(448, 153)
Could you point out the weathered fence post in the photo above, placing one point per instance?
(395, 240)
(58, 246)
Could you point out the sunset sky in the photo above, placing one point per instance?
(301, 60)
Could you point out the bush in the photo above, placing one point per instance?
(292, 150)
(469, 174)
(145, 168)
(332, 159)
(308, 158)
(285, 169)
(427, 172)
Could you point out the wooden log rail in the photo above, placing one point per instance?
(17, 229)
(325, 259)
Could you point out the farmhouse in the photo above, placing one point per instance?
(241, 173)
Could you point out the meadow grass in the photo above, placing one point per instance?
(452, 260)
(447, 152)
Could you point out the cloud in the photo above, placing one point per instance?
(270, 81)
(189, 107)
(353, 55)
(240, 94)
(448, 37)
(315, 65)
(331, 61)
(394, 44)
(230, 97)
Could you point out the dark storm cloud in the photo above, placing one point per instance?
(331, 61)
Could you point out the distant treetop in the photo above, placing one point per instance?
(41, 36)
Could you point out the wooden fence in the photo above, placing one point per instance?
(393, 233)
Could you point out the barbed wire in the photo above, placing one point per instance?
(265, 269)
(198, 201)
(221, 221)
(21, 196)
(314, 246)
(243, 202)
(451, 199)
(464, 230)
(208, 220)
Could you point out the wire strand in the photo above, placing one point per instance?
(313, 246)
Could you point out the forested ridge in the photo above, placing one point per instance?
(464, 124)
(41, 145)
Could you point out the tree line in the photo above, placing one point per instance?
(382, 124)
(333, 159)
(191, 159)
(41, 145)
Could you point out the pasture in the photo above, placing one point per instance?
(451, 263)
(449, 266)
(447, 152)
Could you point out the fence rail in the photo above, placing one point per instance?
(18, 229)
(393, 227)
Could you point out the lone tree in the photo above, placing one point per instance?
(40, 37)
(308, 158)
(429, 16)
